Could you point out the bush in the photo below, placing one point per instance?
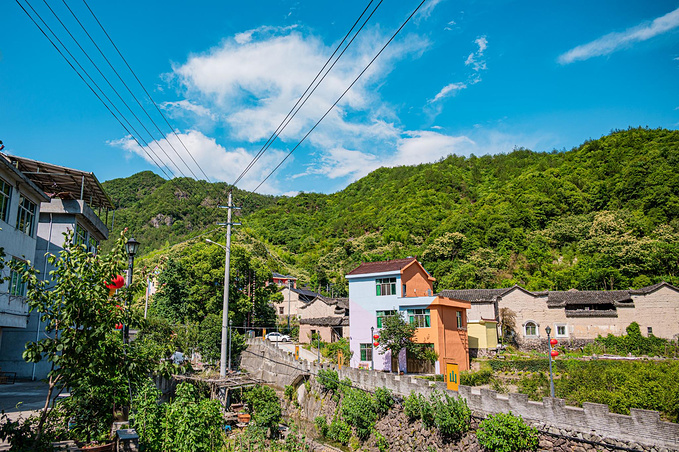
(452, 416)
(321, 425)
(381, 442)
(359, 410)
(482, 377)
(536, 386)
(411, 406)
(340, 431)
(289, 392)
(329, 379)
(383, 401)
(265, 407)
(506, 433)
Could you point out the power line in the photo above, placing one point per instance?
(145, 90)
(111, 85)
(342, 96)
(290, 114)
(87, 84)
(126, 86)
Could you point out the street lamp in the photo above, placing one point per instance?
(131, 247)
(372, 350)
(551, 375)
(215, 243)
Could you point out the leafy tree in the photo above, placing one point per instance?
(398, 334)
(265, 407)
(85, 351)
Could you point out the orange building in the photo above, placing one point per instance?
(380, 289)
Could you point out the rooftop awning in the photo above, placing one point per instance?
(64, 183)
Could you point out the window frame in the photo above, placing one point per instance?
(16, 287)
(366, 351)
(5, 199)
(24, 214)
(458, 317)
(420, 319)
(80, 235)
(556, 330)
(385, 283)
(534, 325)
(382, 315)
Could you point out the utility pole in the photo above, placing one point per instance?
(227, 265)
(289, 290)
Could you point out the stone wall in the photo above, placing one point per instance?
(642, 427)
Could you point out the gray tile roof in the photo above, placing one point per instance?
(474, 295)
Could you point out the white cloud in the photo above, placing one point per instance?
(186, 105)
(426, 146)
(618, 40)
(428, 7)
(478, 64)
(447, 90)
(218, 162)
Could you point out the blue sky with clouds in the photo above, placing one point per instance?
(462, 77)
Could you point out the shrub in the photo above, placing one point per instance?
(329, 379)
(289, 392)
(381, 442)
(321, 425)
(339, 431)
(358, 409)
(452, 416)
(506, 433)
(536, 386)
(482, 377)
(411, 406)
(265, 407)
(427, 409)
(383, 401)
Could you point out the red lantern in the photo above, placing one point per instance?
(376, 337)
(555, 353)
(119, 326)
(116, 283)
(376, 343)
(553, 342)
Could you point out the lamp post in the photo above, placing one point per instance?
(372, 348)
(551, 375)
(131, 247)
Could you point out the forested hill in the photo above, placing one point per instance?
(603, 215)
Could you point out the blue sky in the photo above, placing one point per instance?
(462, 77)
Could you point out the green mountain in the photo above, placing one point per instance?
(603, 215)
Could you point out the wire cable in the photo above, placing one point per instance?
(342, 96)
(87, 84)
(290, 114)
(127, 87)
(112, 87)
(145, 90)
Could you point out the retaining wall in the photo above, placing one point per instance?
(278, 368)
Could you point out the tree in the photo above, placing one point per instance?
(81, 342)
(265, 407)
(398, 334)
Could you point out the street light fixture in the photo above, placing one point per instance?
(372, 348)
(215, 243)
(551, 375)
(132, 246)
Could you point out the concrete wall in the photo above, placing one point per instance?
(482, 335)
(279, 369)
(291, 307)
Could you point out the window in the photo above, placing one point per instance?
(405, 291)
(26, 217)
(5, 196)
(458, 314)
(80, 236)
(93, 245)
(382, 315)
(650, 331)
(561, 331)
(531, 329)
(385, 286)
(16, 286)
(419, 317)
(366, 352)
(281, 310)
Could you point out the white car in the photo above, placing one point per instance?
(277, 337)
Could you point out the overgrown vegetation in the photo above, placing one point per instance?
(450, 415)
(504, 432)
